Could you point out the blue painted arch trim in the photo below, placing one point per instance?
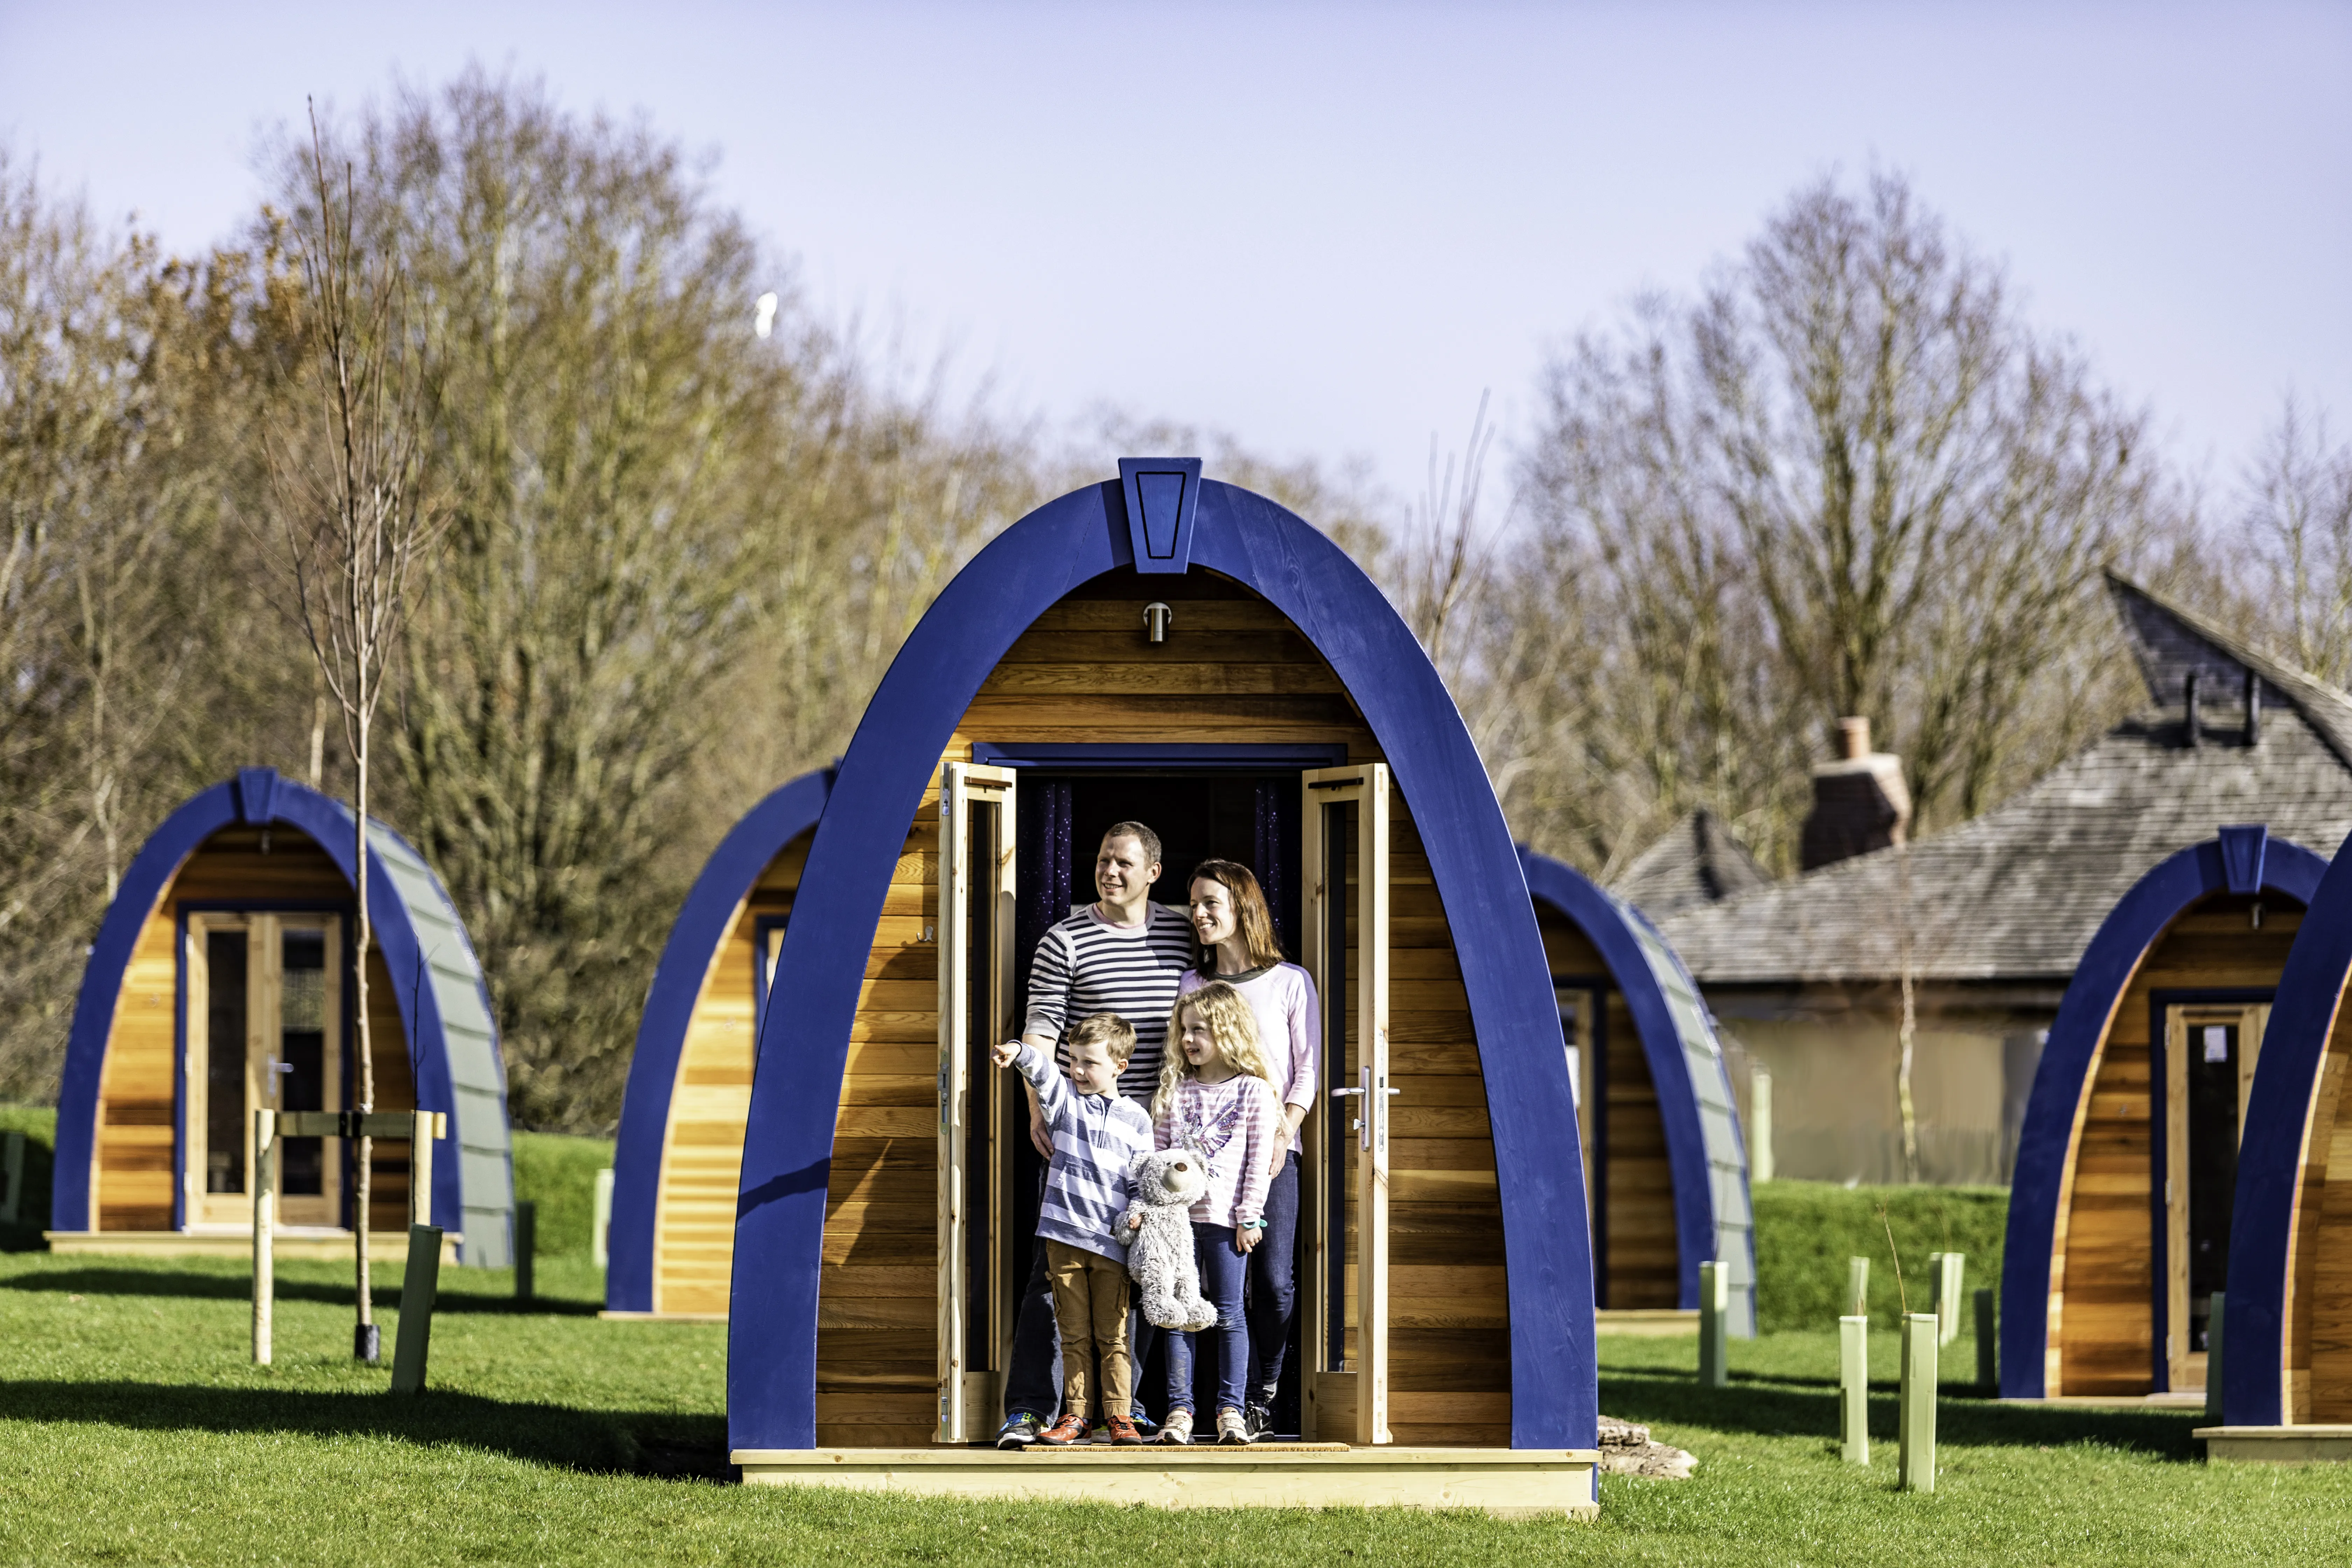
(1705, 1154)
(771, 1357)
(2085, 1014)
(2269, 1151)
(702, 924)
(452, 1042)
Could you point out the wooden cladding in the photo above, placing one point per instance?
(2103, 1326)
(1232, 672)
(134, 1152)
(2319, 1300)
(702, 1144)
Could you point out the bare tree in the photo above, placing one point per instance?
(351, 506)
(2298, 541)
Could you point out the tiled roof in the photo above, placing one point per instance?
(1697, 861)
(2018, 893)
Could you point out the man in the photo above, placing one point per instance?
(1123, 954)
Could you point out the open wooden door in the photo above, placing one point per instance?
(2210, 1052)
(974, 934)
(1345, 839)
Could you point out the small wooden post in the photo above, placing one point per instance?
(600, 1224)
(1854, 1386)
(1914, 1461)
(425, 1126)
(1714, 1316)
(265, 1207)
(2213, 1364)
(12, 1170)
(526, 1245)
(420, 1285)
(1857, 1284)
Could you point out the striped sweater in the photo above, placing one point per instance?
(1235, 1127)
(1095, 1137)
(1087, 965)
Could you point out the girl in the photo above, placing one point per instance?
(1235, 932)
(1216, 1100)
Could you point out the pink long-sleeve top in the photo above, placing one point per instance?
(1289, 1027)
(1233, 1127)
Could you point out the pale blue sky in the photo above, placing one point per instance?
(1327, 228)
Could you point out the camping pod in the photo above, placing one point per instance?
(1190, 654)
(2120, 1218)
(680, 1149)
(2287, 1329)
(1664, 1165)
(222, 984)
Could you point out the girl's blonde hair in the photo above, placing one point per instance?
(1232, 1024)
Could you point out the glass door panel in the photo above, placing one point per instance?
(265, 1009)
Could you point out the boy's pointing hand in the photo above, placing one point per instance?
(1005, 1054)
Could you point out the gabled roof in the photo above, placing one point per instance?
(1697, 861)
(2018, 893)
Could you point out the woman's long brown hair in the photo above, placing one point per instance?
(1255, 920)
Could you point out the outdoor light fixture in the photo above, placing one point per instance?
(1157, 618)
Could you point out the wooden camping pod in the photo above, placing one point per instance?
(2288, 1328)
(861, 1314)
(680, 1154)
(2131, 1132)
(1665, 1166)
(215, 988)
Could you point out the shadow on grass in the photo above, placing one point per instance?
(1790, 1409)
(659, 1444)
(452, 1297)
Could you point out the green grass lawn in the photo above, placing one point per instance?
(134, 1428)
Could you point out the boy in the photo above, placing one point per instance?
(1097, 1131)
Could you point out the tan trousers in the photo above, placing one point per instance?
(1090, 1310)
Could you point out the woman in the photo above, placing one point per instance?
(1235, 932)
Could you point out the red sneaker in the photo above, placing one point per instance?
(1122, 1430)
(1070, 1429)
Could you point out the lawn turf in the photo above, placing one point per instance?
(134, 1428)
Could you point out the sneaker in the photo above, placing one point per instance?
(1258, 1419)
(1020, 1430)
(1231, 1427)
(1178, 1427)
(1146, 1425)
(1070, 1429)
(1122, 1431)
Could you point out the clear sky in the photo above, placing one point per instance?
(1327, 228)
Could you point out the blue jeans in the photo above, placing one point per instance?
(1274, 1285)
(1222, 1268)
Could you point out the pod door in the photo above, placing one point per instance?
(1345, 845)
(2210, 1051)
(264, 1031)
(976, 1008)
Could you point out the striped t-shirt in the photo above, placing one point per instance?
(1087, 965)
(1095, 1138)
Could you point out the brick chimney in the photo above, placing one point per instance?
(1860, 802)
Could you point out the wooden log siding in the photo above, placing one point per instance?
(1084, 673)
(2318, 1350)
(702, 1146)
(137, 1092)
(2102, 1315)
(1636, 1232)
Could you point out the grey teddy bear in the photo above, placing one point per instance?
(1162, 1187)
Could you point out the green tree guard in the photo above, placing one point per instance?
(1857, 1284)
(1714, 1324)
(2213, 1364)
(1915, 1459)
(1854, 1386)
(420, 1286)
(1988, 1345)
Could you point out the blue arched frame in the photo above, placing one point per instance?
(2241, 859)
(2271, 1151)
(452, 1043)
(703, 922)
(1708, 1225)
(771, 1357)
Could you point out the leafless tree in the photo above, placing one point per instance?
(352, 510)
(2298, 541)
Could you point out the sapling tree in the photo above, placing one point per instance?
(347, 479)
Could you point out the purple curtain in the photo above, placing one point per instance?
(1041, 872)
(1275, 856)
